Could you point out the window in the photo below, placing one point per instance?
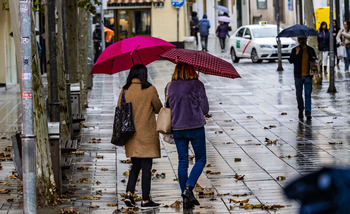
(240, 32)
(261, 4)
(247, 32)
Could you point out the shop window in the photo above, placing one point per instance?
(261, 4)
(141, 22)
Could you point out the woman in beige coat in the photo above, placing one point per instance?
(343, 38)
(144, 144)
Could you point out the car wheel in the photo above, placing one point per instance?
(254, 56)
(234, 58)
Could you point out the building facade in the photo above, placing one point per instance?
(157, 18)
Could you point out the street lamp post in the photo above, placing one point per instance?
(331, 88)
(28, 137)
(279, 68)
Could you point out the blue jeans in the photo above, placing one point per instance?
(182, 139)
(347, 59)
(300, 83)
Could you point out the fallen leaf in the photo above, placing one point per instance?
(249, 117)
(266, 127)
(83, 180)
(99, 156)
(10, 200)
(123, 181)
(190, 157)
(104, 169)
(219, 194)
(98, 183)
(239, 202)
(72, 185)
(206, 207)
(126, 173)
(239, 177)
(4, 191)
(94, 206)
(333, 143)
(301, 144)
(212, 173)
(240, 195)
(112, 205)
(176, 204)
(91, 198)
(208, 165)
(302, 135)
(4, 183)
(71, 210)
(284, 113)
(238, 159)
(127, 161)
(176, 179)
(78, 152)
(14, 177)
(219, 132)
(228, 143)
(272, 126)
(82, 168)
(98, 192)
(8, 148)
(153, 171)
(281, 178)
(207, 116)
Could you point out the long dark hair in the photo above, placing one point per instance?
(348, 23)
(323, 23)
(137, 71)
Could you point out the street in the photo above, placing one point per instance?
(245, 114)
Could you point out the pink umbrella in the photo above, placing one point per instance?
(124, 54)
(202, 62)
(224, 19)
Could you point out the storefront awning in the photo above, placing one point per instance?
(132, 1)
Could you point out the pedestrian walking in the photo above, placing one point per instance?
(323, 46)
(204, 26)
(196, 22)
(343, 38)
(301, 56)
(336, 29)
(97, 40)
(221, 32)
(229, 28)
(188, 102)
(144, 145)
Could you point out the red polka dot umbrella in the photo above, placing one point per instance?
(202, 62)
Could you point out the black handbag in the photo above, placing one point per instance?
(123, 127)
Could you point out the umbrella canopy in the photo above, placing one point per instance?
(223, 19)
(298, 31)
(221, 8)
(124, 54)
(202, 62)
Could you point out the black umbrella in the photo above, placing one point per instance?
(324, 192)
(298, 31)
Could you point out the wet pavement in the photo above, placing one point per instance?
(244, 112)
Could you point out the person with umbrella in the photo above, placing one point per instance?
(188, 103)
(221, 32)
(204, 26)
(301, 56)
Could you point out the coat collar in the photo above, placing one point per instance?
(136, 81)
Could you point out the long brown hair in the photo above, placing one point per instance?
(184, 71)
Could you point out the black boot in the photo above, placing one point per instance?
(188, 192)
(187, 203)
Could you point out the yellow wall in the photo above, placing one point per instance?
(8, 73)
(164, 22)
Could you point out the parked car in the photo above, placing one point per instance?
(258, 42)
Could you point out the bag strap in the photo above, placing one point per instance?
(167, 93)
(123, 97)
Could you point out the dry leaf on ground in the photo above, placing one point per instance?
(99, 156)
(4, 191)
(284, 113)
(82, 168)
(281, 178)
(239, 177)
(112, 205)
(91, 198)
(83, 180)
(238, 159)
(71, 210)
(78, 152)
(127, 161)
(212, 173)
(208, 165)
(99, 192)
(176, 204)
(333, 143)
(94, 206)
(190, 157)
(126, 173)
(104, 169)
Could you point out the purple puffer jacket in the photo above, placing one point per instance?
(189, 103)
(222, 30)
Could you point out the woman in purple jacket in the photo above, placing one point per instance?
(188, 102)
(221, 32)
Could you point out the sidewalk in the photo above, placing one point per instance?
(240, 109)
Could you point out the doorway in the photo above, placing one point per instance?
(133, 23)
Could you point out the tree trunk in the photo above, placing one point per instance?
(310, 22)
(72, 39)
(65, 133)
(83, 45)
(46, 187)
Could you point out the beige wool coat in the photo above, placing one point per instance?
(145, 104)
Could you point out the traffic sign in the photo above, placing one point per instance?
(177, 3)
